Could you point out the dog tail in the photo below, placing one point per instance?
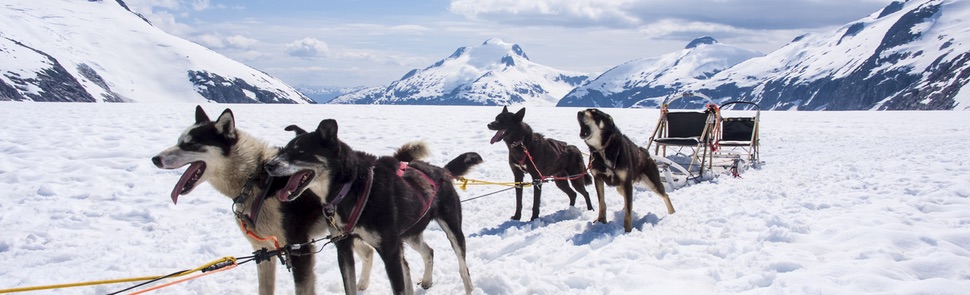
(412, 151)
(463, 163)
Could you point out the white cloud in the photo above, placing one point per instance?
(216, 41)
(210, 41)
(308, 48)
(199, 5)
(147, 5)
(168, 23)
(747, 14)
(241, 42)
(554, 11)
(674, 27)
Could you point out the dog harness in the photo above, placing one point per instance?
(428, 199)
(257, 205)
(602, 152)
(330, 210)
(559, 148)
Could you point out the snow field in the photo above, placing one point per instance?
(848, 203)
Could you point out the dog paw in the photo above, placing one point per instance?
(425, 285)
(516, 217)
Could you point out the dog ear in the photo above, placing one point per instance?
(299, 131)
(607, 121)
(200, 116)
(520, 115)
(226, 124)
(505, 109)
(328, 129)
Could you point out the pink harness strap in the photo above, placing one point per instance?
(426, 201)
(404, 166)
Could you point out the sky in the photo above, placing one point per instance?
(370, 43)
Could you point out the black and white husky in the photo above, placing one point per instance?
(383, 201)
(232, 162)
(618, 162)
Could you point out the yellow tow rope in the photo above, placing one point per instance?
(464, 182)
(115, 281)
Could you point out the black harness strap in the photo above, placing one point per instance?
(330, 210)
(257, 205)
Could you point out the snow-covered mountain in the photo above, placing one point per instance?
(100, 51)
(324, 94)
(647, 81)
(493, 73)
(910, 55)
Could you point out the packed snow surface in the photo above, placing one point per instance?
(848, 203)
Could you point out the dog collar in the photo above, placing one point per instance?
(602, 152)
(607, 144)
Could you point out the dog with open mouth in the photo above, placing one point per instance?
(531, 152)
(383, 201)
(618, 162)
(232, 161)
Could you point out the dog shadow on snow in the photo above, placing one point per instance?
(543, 221)
(600, 234)
(596, 234)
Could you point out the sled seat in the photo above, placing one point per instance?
(739, 135)
(683, 129)
(737, 131)
(687, 135)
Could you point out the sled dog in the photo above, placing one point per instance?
(617, 162)
(383, 201)
(533, 153)
(232, 162)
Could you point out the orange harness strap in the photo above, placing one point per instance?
(233, 265)
(276, 243)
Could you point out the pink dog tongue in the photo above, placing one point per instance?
(291, 185)
(190, 177)
(497, 137)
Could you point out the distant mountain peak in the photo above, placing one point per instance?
(493, 73)
(706, 40)
(495, 42)
(646, 81)
(910, 55)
